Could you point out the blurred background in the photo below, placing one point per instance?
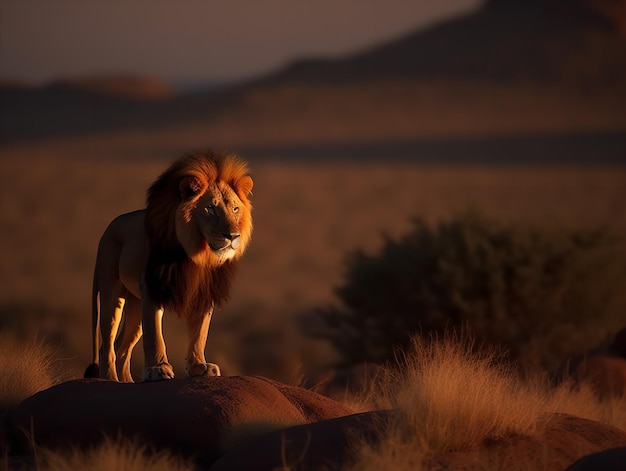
(355, 116)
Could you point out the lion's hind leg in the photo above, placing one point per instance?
(132, 334)
(112, 307)
(112, 296)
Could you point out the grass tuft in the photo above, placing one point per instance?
(451, 397)
(111, 454)
(457, 396)
(25, 369)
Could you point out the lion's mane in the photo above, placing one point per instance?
(183, 274)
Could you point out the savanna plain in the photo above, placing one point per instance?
(57, 198)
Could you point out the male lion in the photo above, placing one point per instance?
(179, 253)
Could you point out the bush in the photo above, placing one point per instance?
(543, 294)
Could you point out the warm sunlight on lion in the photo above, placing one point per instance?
(178, 254)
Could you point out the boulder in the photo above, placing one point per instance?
(607, 460)
(253, 423)
(201, 417)
(327, 445)
(332, 444)
(560, 442)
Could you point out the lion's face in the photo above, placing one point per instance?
(218, 217)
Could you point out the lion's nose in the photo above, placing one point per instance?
(231, 236)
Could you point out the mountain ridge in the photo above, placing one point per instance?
(471, 67)
(504, 40)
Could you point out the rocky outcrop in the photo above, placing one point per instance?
(327, 445)
(607, 460)
(201, 417)
(257, 424)
(563, 440)
(333, 444)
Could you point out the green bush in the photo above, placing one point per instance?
(542, 294)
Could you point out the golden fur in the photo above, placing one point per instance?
(178, 254)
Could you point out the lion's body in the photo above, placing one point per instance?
(178, 254)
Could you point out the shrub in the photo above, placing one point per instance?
(542, 293)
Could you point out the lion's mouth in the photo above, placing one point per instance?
(230, 242)
(221, 246)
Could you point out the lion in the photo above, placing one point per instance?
(178, 254)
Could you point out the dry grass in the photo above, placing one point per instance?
(451, 399)
(306, 217)
(25, 369)
(458, 398)
(57, 197)
(112, 455)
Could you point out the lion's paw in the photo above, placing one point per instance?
(157, 373)
(204, 369)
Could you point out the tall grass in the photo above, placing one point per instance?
(451, 397)
(113, 455)
(25, 369)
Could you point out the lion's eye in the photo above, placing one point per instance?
(235, 209)
(210, 209)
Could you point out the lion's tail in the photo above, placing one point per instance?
(93, 370)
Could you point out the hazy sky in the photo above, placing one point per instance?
(192, 40)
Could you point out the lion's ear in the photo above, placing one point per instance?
(190, 187)
(244, 185)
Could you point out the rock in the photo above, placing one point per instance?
(608, 460)
(322, 445)
(570, 437)
(331, 444)
(253, 423)
(200, 416)
(563, 440)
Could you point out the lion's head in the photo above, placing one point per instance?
(201, 202)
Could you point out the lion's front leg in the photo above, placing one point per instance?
(156, 366)
(198, 330)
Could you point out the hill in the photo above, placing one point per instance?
(506, 40)
(77, 106)
(512, 68)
